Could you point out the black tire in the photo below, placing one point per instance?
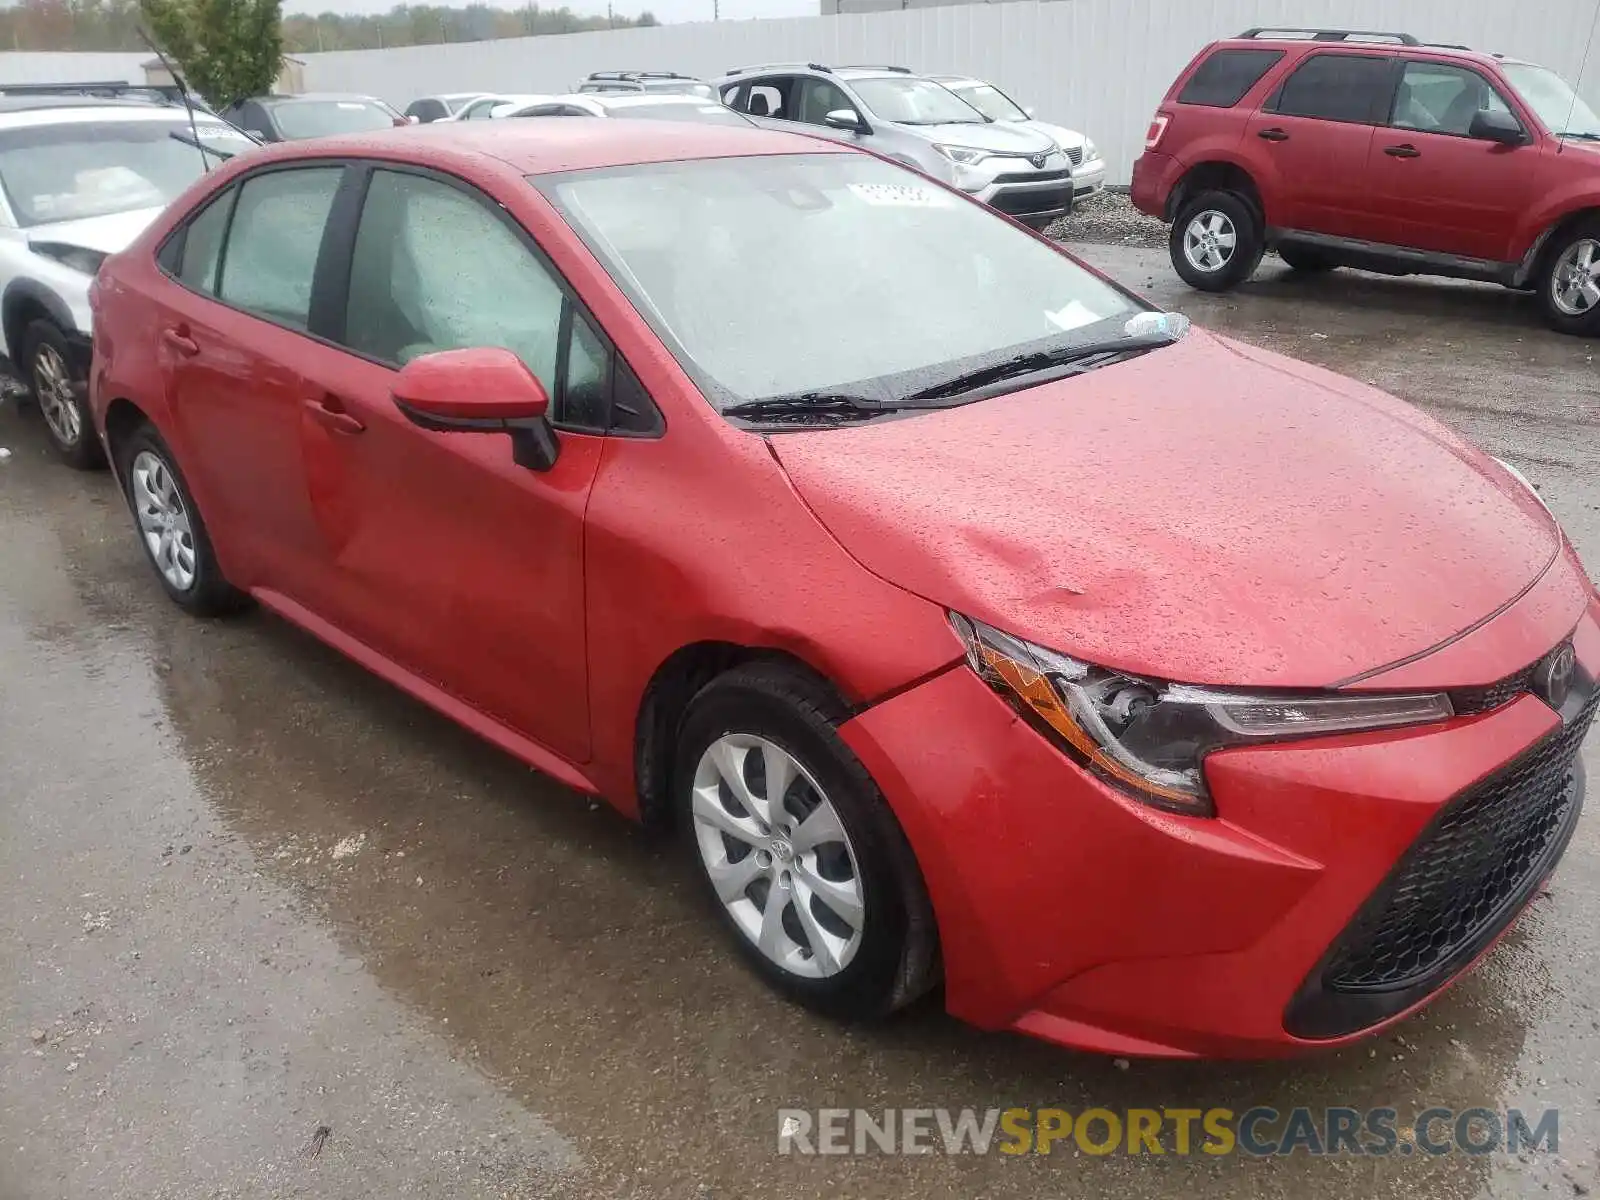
(61, 393)
(896, 959)
(208, 593)
(1241, 259)
(1302, 258)
(1553, 271)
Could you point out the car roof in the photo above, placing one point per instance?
(1439, 51)
(641, 99)
(101, 110)
(545, 147)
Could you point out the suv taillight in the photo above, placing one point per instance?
(1158, 126)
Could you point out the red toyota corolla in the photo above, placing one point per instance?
(977, 624)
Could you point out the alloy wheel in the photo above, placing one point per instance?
(778, 855)
(1209, 240)
(163, 520)
(1575, 282)
(52, 387)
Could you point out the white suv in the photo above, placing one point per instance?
(79, 179)
(917, 122)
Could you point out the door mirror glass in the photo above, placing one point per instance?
(843, 118)
(481, 390)
(1491, 125)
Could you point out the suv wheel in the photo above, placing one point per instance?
(1570, 289)
(1216, 241)
(61, 395)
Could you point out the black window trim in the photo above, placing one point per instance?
(1275, 57)
(1379, 120)
(1394, 98)
(338, 255)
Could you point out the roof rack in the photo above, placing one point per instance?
(637, 75)
(109, 89)
(873, 67)
(1291, 33)
(1446, 46)
(774, 66)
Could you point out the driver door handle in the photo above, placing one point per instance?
(1273, 135)
(1404, 150)
(329, 412)
(180, 341)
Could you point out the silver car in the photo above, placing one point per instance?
(633, 106)
(1088, 168)
(918, 122)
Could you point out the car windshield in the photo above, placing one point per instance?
(908, 101)
(320, 118)
(706, 114)
(990, 101)
(784, 275)
(1559, 109)
(681, 87)
(93, 169)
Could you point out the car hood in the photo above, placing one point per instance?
(1065, 138)
(1207, 512)
(999, 137)
(107, 234)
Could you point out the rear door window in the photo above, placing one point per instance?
(1224, 78)
(1338, 87)
(273, 242)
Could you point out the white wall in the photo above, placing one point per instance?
(29, 66)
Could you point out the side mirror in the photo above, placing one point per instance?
(482, 390)
(843, 118)
(1493, 126)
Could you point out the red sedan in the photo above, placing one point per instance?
(976, 624)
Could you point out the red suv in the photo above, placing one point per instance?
(1373, 150)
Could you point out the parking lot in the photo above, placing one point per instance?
(269, 928)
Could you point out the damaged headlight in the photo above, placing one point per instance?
(1148, 738)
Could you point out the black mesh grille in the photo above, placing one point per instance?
(1042, 201)
(1033, 176)
(1460, 884)
(1492, 695)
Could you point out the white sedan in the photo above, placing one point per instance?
(1088, 168)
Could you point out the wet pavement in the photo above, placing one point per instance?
(268, 928)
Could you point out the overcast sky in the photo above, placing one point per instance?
(665, 10)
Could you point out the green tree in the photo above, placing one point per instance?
(226, 49)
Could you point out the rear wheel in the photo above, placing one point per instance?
(61, 394)
(170, 528)
(1569, 290)
(1300, 258)
(797, 848)
(1216, 241)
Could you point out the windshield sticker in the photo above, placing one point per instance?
(899, 195)
(352, 105)
(1075, 315)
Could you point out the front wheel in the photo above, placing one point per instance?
(61, 394)
(1216, 241)
(797, 848)
(1569, 291)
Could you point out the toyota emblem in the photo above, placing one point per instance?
(1552, 678)
(1039, 160)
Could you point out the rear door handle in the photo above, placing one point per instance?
(1405, 150)
(1272, 135)
(329, 413)
(180, 341)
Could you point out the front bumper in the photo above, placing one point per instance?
(1072, 913)
(1039, 196)
(1088, 178)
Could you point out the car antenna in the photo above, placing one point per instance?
(1583, 65)
(188, 104)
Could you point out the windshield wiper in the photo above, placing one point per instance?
(1070, 360)
(803, 405)
(1582, 135)
(198, 145)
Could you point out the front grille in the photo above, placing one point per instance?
(1033, 176)
(1042, 200)
(1461, 882)
(1467, 701)
(1075, 154)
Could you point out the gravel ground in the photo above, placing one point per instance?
(1109, 218)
